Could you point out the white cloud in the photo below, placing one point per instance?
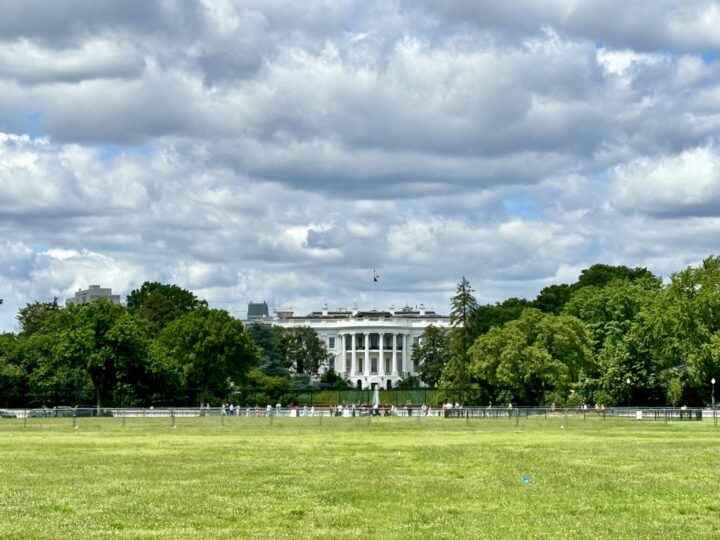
(252, 150)
(684, 184)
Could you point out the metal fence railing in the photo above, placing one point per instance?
(516, 414)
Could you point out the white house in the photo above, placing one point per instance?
(372, 349)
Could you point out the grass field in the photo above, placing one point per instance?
(351, 478)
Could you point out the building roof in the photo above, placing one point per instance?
(258, 310)
(386, 315)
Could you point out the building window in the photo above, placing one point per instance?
(373, 364)
(374, 341)
(416, 341)
(331, 343)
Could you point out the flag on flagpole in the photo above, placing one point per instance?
(376, 277)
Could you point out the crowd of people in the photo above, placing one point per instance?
(353, 409)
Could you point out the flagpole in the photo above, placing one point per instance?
(375, 280)
(374, 285)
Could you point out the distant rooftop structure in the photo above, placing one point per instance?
(94, 292)
(257, 310)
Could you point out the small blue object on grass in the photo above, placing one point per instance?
(526, 480)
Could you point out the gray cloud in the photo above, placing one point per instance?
(255, 150)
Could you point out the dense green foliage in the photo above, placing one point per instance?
(588, 339)
(430, 355)
(350, 478)
(616, 336)
(165, 347)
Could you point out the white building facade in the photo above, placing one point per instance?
(91, 294)
(371, 349)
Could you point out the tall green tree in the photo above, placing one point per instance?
(306, 353)
(683, 329)
(157, 304)
(103, 340)
(33, 316)
(615, 315)
(600, 275)
(13, 379)
(270, 344)
(462, 306)
(431, 354)
(552, 299)
(210, 350)
(485, 317)
(533, 360)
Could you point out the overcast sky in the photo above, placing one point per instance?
(281, 150)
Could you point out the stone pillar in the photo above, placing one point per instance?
(366, 362)
(405, 353)
(381, 354)
(394, 356)
(353, 359)
(340, 355)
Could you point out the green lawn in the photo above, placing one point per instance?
(350, 478)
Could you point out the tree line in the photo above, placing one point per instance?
(166, 347)
(617, 336)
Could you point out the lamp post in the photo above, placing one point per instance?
(712, 382)
(628, 391)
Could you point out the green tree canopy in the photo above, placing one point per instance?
(103, 340)
(683, 329)
(33, 316)
(431, 354)
(210, 350)
(483, 318)
(13, 379)
(158, 304)
(271, 348)
(533, 360)
(615, 314)
(306, 353)
(462, 306)
(552, 299)
(600, 275)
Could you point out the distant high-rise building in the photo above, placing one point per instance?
(93, 293)
(257, 310)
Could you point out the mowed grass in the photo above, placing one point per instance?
(354, 478)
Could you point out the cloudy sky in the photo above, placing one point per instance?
(281, 150)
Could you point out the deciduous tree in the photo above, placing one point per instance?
(210, 350)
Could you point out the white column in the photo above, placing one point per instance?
(366, 362)
(353, 358)
(340, 356)
(405, 353)
(394, 356)
(381, 359)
